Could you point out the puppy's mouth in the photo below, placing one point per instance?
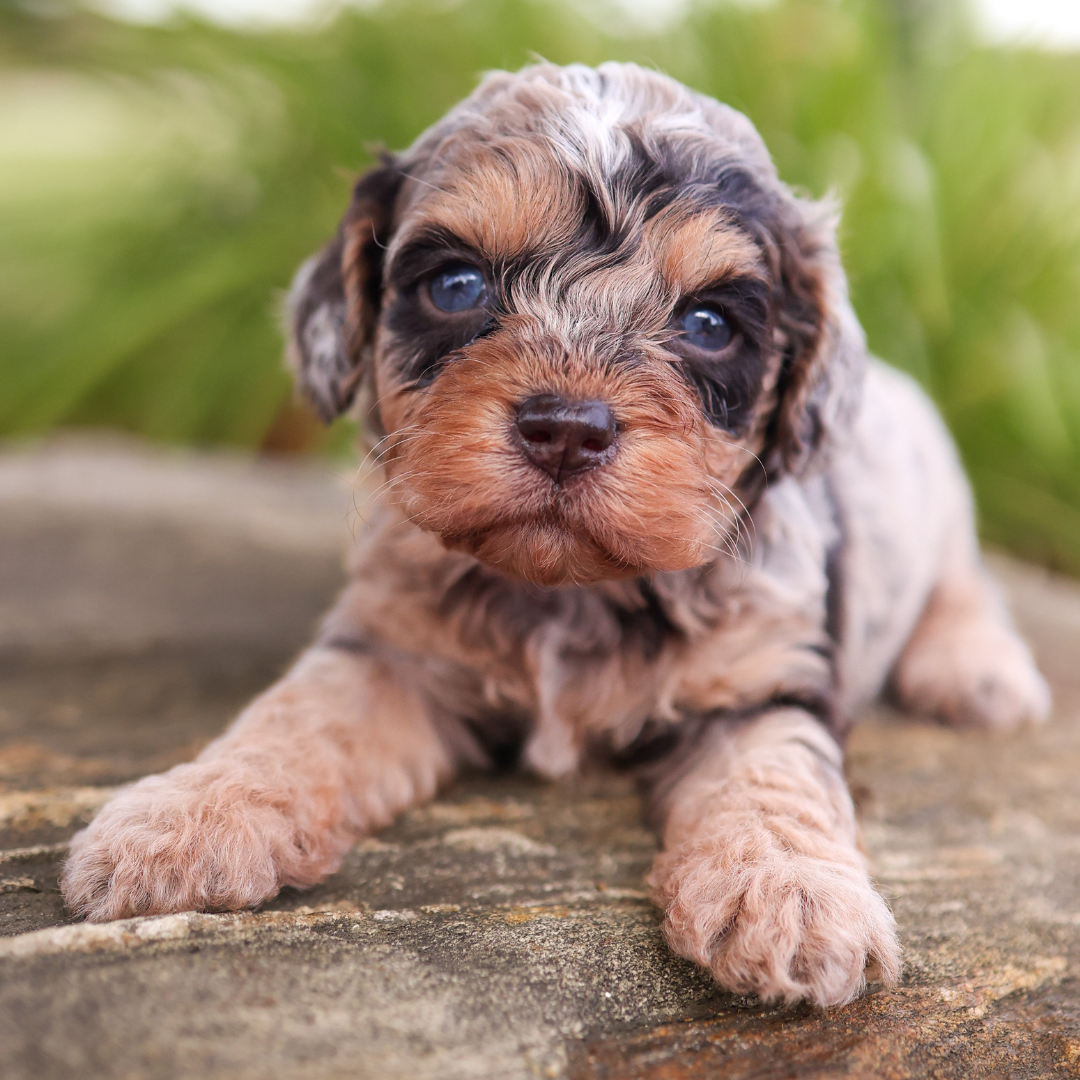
(560, 533)
(553, 488)
(544, 549)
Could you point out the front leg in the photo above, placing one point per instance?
(333, 750)
(760, 878)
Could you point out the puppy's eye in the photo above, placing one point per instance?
(458, 288)
(705, 327)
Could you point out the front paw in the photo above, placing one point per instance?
(776, 923)
(200, 837)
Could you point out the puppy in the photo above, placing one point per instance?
(647, 501)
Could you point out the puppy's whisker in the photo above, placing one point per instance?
(727, 522)
(722, 527)
(725, 547)
(378, 448)
(760, 464)
(360, 509)
(382, 491)
(716, 517)
(724, 491)
(743, 520)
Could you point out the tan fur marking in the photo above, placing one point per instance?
(704, 249)
(502, 201)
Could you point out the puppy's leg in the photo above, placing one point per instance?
(760, 878)
(964, 661)
(335, 749)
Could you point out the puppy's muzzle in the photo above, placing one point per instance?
(565, 438)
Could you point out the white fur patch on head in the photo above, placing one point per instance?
(586, 115)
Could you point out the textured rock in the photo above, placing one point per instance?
(502, 931)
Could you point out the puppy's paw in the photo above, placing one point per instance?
(200, 837)
(972, 673)
(775, 923)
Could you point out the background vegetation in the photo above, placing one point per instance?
(158, 185)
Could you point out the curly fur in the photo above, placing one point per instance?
(774, 538)
(760, 879)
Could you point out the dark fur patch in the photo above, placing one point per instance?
(835, 570)
(500, 736)
(729, 385)
(656, 740)
(425, 343)
(647, 627)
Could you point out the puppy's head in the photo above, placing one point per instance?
(589, 321)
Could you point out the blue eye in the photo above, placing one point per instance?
(458, 288)
(706, 328)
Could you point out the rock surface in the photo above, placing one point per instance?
(503, 931)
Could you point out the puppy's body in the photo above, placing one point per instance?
(647, 505)
(813, 606)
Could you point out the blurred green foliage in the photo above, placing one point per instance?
(158, 186)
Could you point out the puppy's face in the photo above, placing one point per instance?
(578, 322)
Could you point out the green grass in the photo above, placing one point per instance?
(158, 186)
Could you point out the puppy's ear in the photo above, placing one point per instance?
(333, 303)
(824, 348)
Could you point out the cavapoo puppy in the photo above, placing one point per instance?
(647, 501)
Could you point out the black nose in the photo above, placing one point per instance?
(565, 437)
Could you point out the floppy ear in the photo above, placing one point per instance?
(333, 303)
(824, 348)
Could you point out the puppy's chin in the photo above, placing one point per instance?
(551, 554)
(602, 526)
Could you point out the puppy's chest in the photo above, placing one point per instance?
(585, 673)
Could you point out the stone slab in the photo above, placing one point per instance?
(502, 931)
